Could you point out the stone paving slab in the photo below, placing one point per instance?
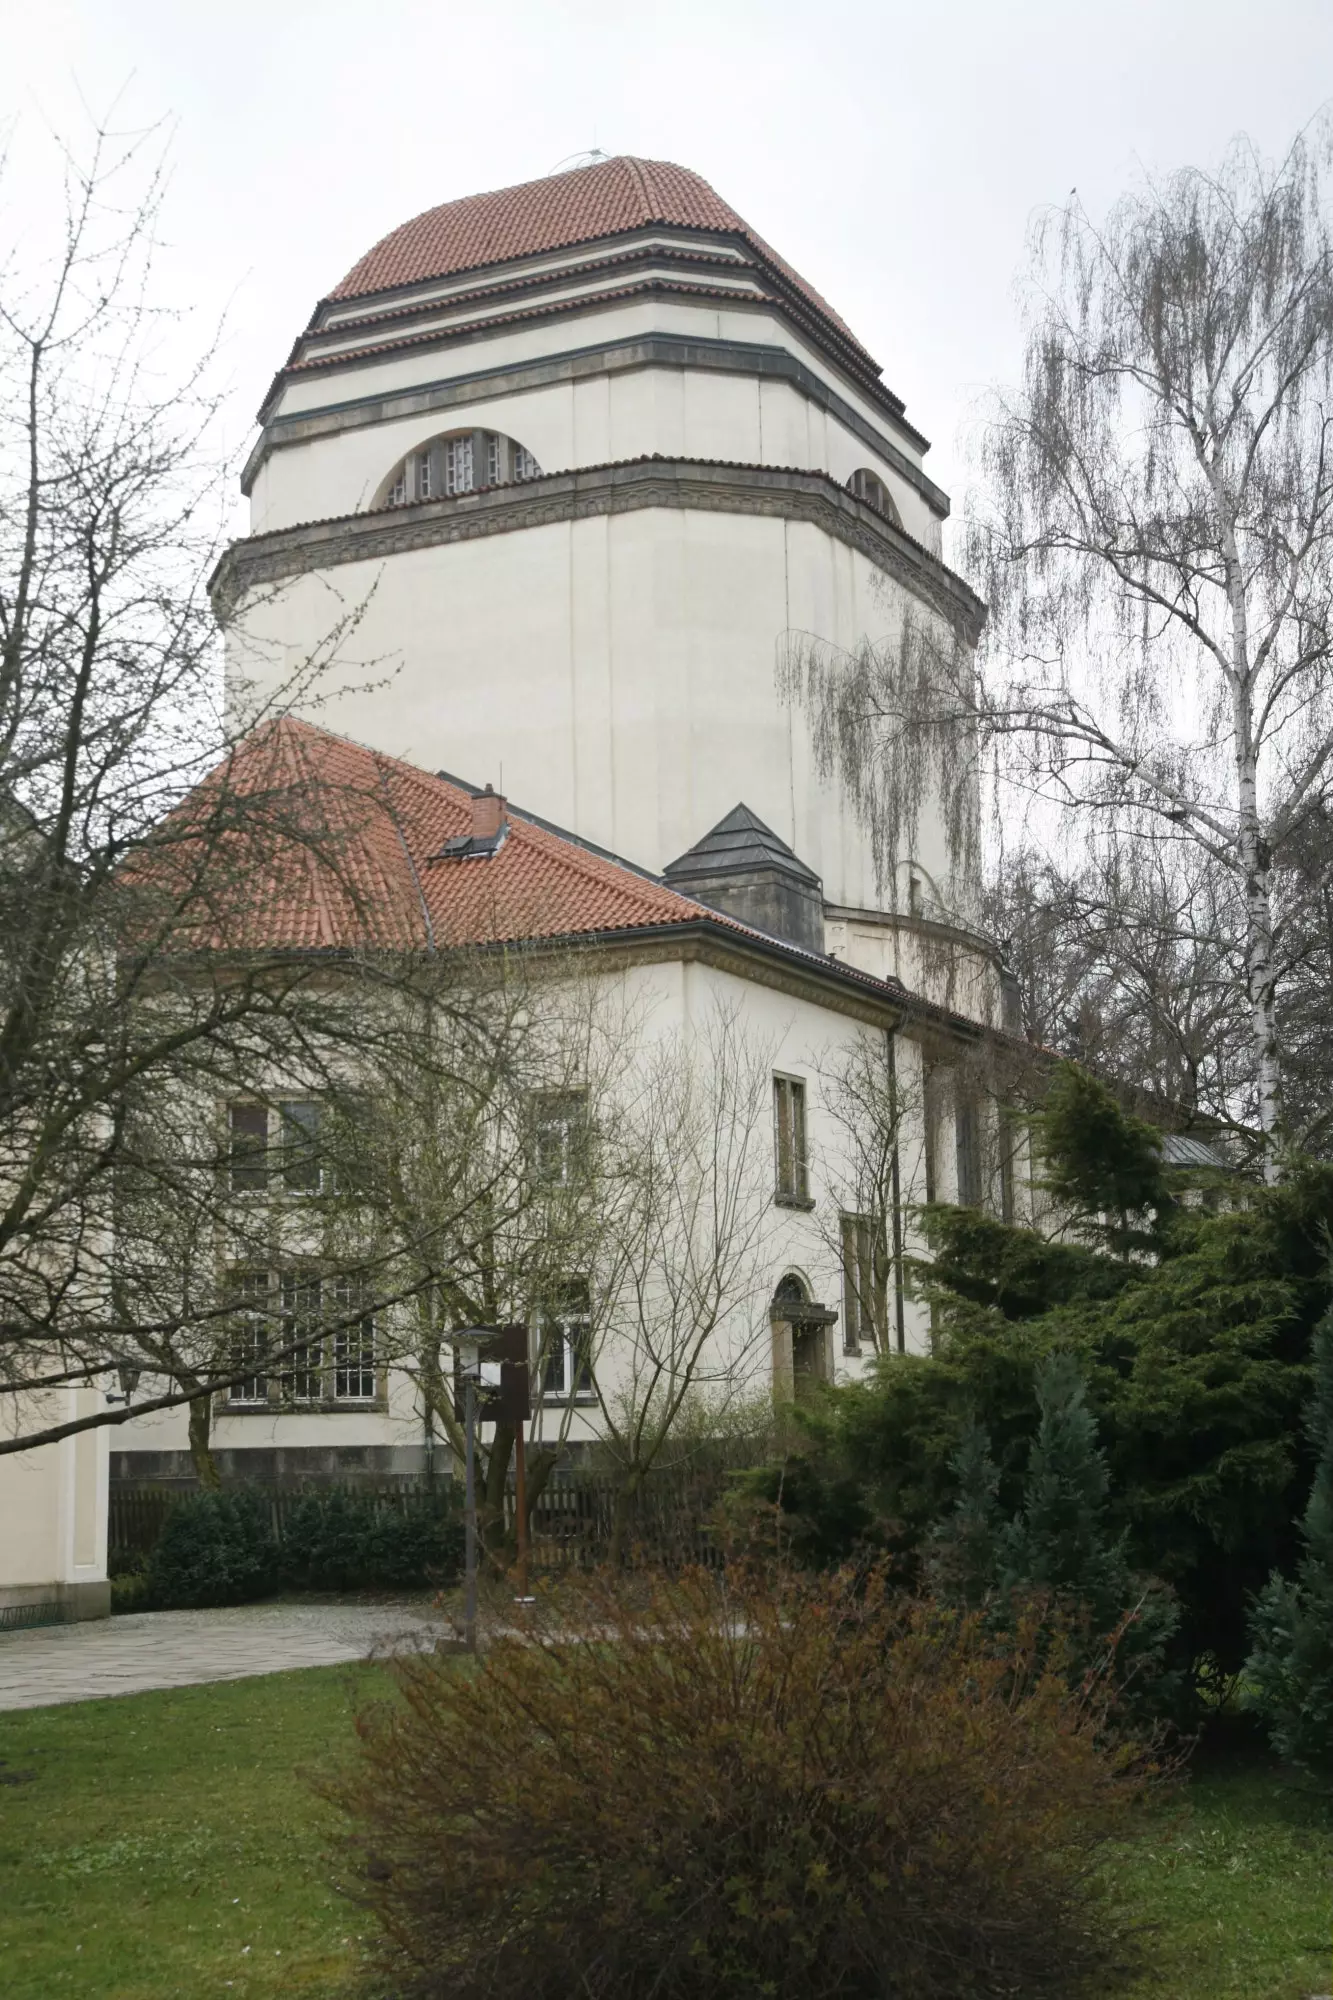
(161, 1649)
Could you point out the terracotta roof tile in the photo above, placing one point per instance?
(330, 845)
(605, 199)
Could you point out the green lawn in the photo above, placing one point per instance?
(1237, 1885)
(168, 1847)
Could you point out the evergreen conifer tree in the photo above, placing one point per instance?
(1291, 1664)
(963, 1552)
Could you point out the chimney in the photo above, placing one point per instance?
(488, 814)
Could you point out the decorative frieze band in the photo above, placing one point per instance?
(697, 485)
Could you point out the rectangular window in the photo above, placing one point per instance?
(458, 465)
(525, 465)
(299, 1119)
(249, 1148)
(566, 1344)
(967, 1139)
(398, 491)
(559, 1131)
(303, 1377)
(353, 1348)
(864, 1284)
(425, 487)
(250, 1340)
(495, 461)
(791, 1164)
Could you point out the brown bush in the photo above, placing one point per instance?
(791, 1787)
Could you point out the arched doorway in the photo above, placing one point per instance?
(800, 1340)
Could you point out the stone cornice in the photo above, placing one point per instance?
(589, 492)
(657, 350)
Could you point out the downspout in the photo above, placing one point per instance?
(895, 1184)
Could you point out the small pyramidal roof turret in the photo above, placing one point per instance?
(745, 869)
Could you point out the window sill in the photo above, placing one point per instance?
(805, 1202)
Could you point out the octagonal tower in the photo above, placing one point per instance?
(558, 467)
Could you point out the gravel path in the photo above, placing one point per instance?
(159, 1649)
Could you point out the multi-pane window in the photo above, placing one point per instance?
(425, 486)
(354, 1378)
(792, 1172)
(398, 491)
(250, 1342)
(864, 1287)
(566, 1344)
(303, 1366)
(559, 1131)
(458, 465)
(301, 1339)
(525, 465)
(495, 460)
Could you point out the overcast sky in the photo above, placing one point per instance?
(894, 154)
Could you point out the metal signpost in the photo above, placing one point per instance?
(493, 1364)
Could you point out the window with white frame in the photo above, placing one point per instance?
(455, 464)
(791, 1160)
(864, 1284)
(559, 1135)
(354, 1375)
(868, 486)
(458, 464)
(251, 1340)
(302, 1380)
(565, 1358)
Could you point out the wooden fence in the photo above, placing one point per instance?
(673, 1518)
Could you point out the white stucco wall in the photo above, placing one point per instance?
(53, 1507)
(615, 675)
(795, 1036)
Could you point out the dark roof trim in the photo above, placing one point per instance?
(668, 350)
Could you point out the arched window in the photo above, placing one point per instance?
(458, 462)
(868, 486)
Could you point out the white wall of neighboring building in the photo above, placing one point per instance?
(794, 1035)
(53, 1512)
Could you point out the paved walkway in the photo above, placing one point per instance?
(159, 1649)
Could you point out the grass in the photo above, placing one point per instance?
(168, 1847)
(168, 1844)
(1237, 1885)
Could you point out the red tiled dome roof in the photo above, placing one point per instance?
(608, 198)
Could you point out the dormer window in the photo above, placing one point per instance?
(457, 463)
(868, 486)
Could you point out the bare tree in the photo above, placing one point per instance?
(126, 1011)
(682, 1258)
(1155, 543)
(1158, 543)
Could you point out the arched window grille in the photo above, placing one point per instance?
(458, 462)
(868, 486)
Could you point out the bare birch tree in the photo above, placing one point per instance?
(1156, 544)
